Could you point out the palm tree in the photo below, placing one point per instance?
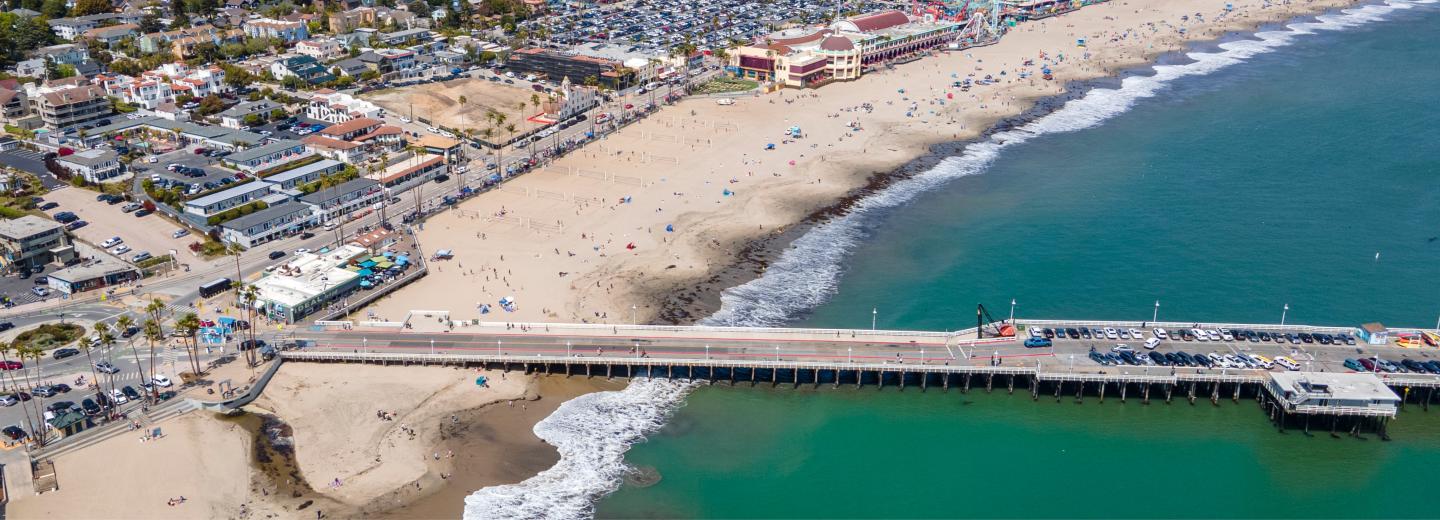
(5, 350)
(36, 354)
(153, 333)
(249, 294)
(462, 111)
(101, 330)
(124, 323)
(189, 324)
(235, 250)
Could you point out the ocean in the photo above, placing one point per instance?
(1298, 167)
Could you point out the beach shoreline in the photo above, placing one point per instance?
(664, 245)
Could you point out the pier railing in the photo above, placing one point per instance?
(1174, 325)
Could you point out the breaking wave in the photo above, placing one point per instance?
(592, 432)
(808, 273)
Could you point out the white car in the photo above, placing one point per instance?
(1137, 334)
(1160, 333)
(111, 242)
(122, 249)
(1151, 343)
(1214, 334)
(1111, 333)
(161, 381)
(1288, 363)
(1200, 334)
(1218, 360)
(1035, 332)
(302, 250)
(404, 120)
(118, 397)
(1122, 348)
(1124, 334)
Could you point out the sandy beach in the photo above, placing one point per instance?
(650, 217)
(316, 425)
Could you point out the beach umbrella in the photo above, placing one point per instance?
(630, 245)
(669, 228)
(727, 192)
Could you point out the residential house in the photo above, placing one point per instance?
(182, 42)
(64, 54)
(406, 37)
(70, 28)
(412, 171)
(304, 67)
(352, 67)
(351, 129)
(112, 34)
(325, 49)
(389, 61)
(12, 102)
(234, 117)
(344, 151)
(95, 165)
(68, 106)
(287, 31)
(164, 84)
(338, 107)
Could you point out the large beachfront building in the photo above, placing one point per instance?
(810, 56)
(307, 283)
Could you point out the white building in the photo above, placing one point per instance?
(164, 84)
(95, 165)
(570, 100)
(325, 49)
(338, 107)
(308, 282)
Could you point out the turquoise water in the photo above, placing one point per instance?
(1225, 197)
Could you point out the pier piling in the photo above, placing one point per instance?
(1012, 384)
(1123, 387)
(1102, 392)
(1147, 394)
(1080, 392)
(1168, 388)
(1192, 393)
(989, 382)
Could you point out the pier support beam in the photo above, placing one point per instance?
(1192, 393)
(1237, 393)
(967, 383)
(1168, 388)
(753, 370)
(945, 382)
(1102, 392)
(1123, 386)
(1147, 394)
(1080, 392)
(989, 382)
(859, 378)
(1215, 394)
(1035, 388)
(1059, 385)
(1012, 384)
(924, 381)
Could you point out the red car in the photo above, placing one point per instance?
(11, 365)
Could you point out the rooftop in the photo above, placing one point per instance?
(340, 190)
(265, 215)
(223, 195)
(302, 171)
(93, 157)
(104, 264)
(26, 226)
(263, 150)
(1361, 386)
(307, 276)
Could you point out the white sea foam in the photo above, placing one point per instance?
(592, 432)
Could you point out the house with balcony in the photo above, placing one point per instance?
(305, 68)
(71, 28)
(63, 106)
(322, 49)
(287, 31)
(269, 224)
(234, 117)
(338, 107)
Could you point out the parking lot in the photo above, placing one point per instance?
(187, 157)
(658, 25)
(151, 233)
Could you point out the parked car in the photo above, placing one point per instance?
(249, 344)
(179, 233)
(143, 213)
(130, 207)
(60, 406)
(118, 397)
(107, 367)
(161, 381)
(11, 364)
(90, 406)
(6, 325)
(130, 392)
(9, 400)
(40, 291)
(49, 206)
(143, 256)
(14, 432)
(112, 241)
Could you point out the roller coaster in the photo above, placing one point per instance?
(985, 21)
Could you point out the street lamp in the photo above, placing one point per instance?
(432, 347)
(1283, 312)
(777, 353)
(849, 355)
(364, 344)
(633, 319)
(567, 349)
(707, 351)
(874, 314)
(497, 348)
(1155, 316)
(1012, 311)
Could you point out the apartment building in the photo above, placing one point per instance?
(31, 241)
(287, 31)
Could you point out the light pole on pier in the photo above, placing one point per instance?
(1156, 315)
(497, 348)
(633, 319)
(874, 314)
(1283, 312)
(364, 344)
(922, 356)
(849, 355)
(777, 353)
(432, 347)
(707, 351)
(1012, 311)
(567, 349)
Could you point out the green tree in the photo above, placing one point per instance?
(89, 7)
(189, 324)
(54, 9)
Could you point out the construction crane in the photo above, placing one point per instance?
(986, 324)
